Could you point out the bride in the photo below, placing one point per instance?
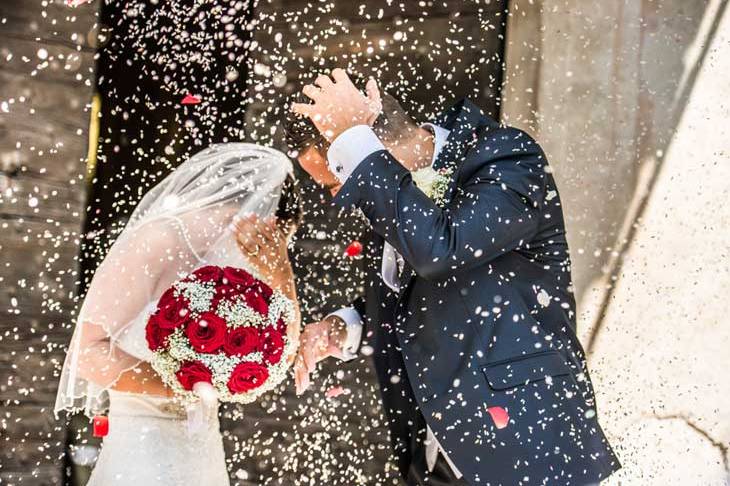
(229, 205)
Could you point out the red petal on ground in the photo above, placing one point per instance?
(500, 416)
(334, 392)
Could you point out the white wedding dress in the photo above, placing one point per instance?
(149, 445)
(150, 442)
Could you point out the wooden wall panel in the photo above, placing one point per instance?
(46, 75)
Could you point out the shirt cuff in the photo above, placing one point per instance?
(350, 148)
(353, 323)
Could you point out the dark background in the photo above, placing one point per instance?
(242, 60)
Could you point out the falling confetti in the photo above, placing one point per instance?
(190, 99)
(543, 298)
(353, 249)
(241, 60)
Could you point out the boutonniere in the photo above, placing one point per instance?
(433, 183)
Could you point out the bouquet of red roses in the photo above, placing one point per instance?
(224, 327)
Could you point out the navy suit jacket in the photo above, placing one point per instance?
(485, 319)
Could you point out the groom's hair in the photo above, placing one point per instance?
(393, 124)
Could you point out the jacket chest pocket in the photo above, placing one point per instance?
(533, 368)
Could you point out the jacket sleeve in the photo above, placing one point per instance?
(495, 209)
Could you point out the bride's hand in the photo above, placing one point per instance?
(264, 245)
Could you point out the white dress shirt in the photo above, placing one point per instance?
(344, 155)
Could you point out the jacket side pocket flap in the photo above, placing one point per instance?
(525, 369)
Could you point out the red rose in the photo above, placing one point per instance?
(238, 276)
(264, 289)
(172, 315)
(256, 300)
(281, 326)
(167, 298)
(272, 345)
(156, 335)
(223, 292)
(209, 273)
(207, 333)
(247, 376)
(191, 372)
(241, 341)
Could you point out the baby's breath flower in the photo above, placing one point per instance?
(236, 312)
(198, 294)
(433, 183)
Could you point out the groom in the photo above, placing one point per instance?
(468, 304)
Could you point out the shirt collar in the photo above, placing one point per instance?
(440, 136)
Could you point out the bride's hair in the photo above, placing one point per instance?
(289, 212)
(393, 124)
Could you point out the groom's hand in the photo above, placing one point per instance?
(319, 340)
(338, 104)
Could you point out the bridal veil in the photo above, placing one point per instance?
(181, 224)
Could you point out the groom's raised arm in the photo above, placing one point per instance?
(495, 210)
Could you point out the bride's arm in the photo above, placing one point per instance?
(107, 365)
(264, 245)
(142, 379)
(110, 309)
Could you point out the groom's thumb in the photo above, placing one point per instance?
(372, 90)
(374, 99)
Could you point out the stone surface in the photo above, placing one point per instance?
(661, 358)
(599, 84)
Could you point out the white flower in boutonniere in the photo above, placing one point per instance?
(433, 182)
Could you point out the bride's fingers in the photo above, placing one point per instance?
(244, 228)
(253, 232)
(264, 231)
(247, 237)
(245, 242)
(243, 248)
(275, 229)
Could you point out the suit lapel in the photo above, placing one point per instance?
(462, 121)
(405, 277)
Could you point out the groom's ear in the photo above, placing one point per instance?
(314, 162)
